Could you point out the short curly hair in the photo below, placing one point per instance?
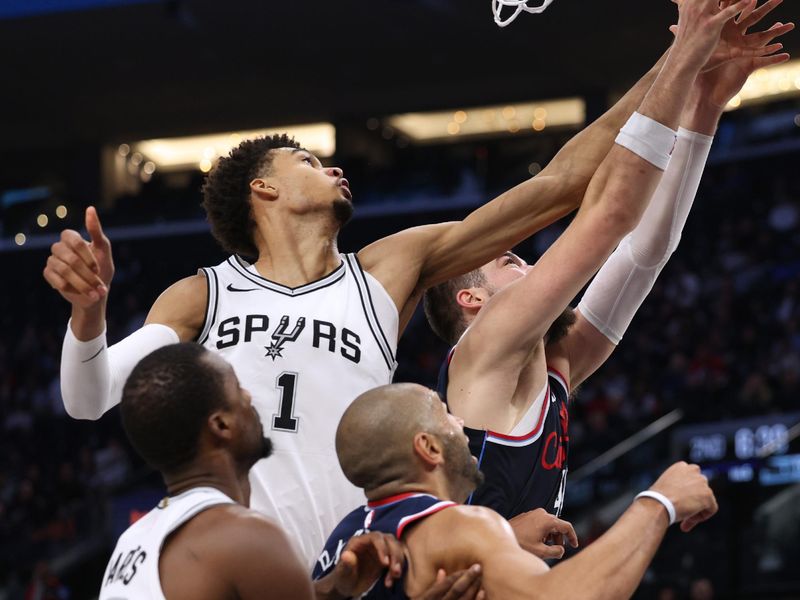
(226, 192)
(443, 312)
(166, 403)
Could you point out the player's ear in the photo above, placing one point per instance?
(428, 449)
(221, 425)
(471, 298)
(264, 189)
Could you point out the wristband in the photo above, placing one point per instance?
(661, 498)
(648, 139)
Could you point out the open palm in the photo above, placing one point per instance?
(736, 44)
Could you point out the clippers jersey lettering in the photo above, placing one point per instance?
(392, 515)
(132, 572)
(304, 354)
(527, 471)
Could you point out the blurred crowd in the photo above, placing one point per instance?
(719, 337)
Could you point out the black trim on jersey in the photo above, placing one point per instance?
(334, 276)
(385, 352)
(211, 313)
(372, 306)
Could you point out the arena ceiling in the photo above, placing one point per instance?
(188, 66)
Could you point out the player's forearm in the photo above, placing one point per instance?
(613, 566)
(618, 290)
(626, 179)
(85, 372)
(665, 100)
(700, 115)
(93, 375)
(578, 160)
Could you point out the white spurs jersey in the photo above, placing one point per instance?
(132, 572)
(304, 354)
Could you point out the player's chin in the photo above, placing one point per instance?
(266, 447)
(343, 210)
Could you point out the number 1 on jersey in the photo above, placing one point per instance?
(285, 419)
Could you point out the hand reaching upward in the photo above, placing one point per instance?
(736, 43)
(700, 26)
(747, 53)
(81, 271)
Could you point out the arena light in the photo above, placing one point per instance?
(451, 125)
(199, 151)
(769, 84)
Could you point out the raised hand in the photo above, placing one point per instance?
(687, 488)
(719, 85)
(735, 43)
(700, 25)
(81, 271)
(543, 534)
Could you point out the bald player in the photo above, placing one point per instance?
(416, 485)
(186, 414)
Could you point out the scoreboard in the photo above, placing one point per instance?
(762, 450)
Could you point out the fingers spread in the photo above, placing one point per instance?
(768, 61)
(765, 37)
(759, 13)
(734, 9)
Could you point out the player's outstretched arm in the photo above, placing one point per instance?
(415, 259)
(507, 329)
(618, 290)
(611, 567)
(92, 374)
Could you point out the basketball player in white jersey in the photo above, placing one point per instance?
(509, 373)
(305, 327)
(186, 414)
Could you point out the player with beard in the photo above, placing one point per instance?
(305, 327)
(186, 414)
(511, 367)
(415, 486)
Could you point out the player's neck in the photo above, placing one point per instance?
(397, 488)
(296, 253)
(234, 485)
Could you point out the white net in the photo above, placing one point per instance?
(515, 7)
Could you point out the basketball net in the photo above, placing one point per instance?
(518, 7)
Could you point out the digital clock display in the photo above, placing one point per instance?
(743, 450)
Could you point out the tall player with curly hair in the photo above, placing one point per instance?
(306, 328)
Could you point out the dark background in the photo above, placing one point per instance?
(717, 340)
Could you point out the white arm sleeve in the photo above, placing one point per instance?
(620, 287)
(92, 375)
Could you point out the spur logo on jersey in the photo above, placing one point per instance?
(256, 329)
(281, 335)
